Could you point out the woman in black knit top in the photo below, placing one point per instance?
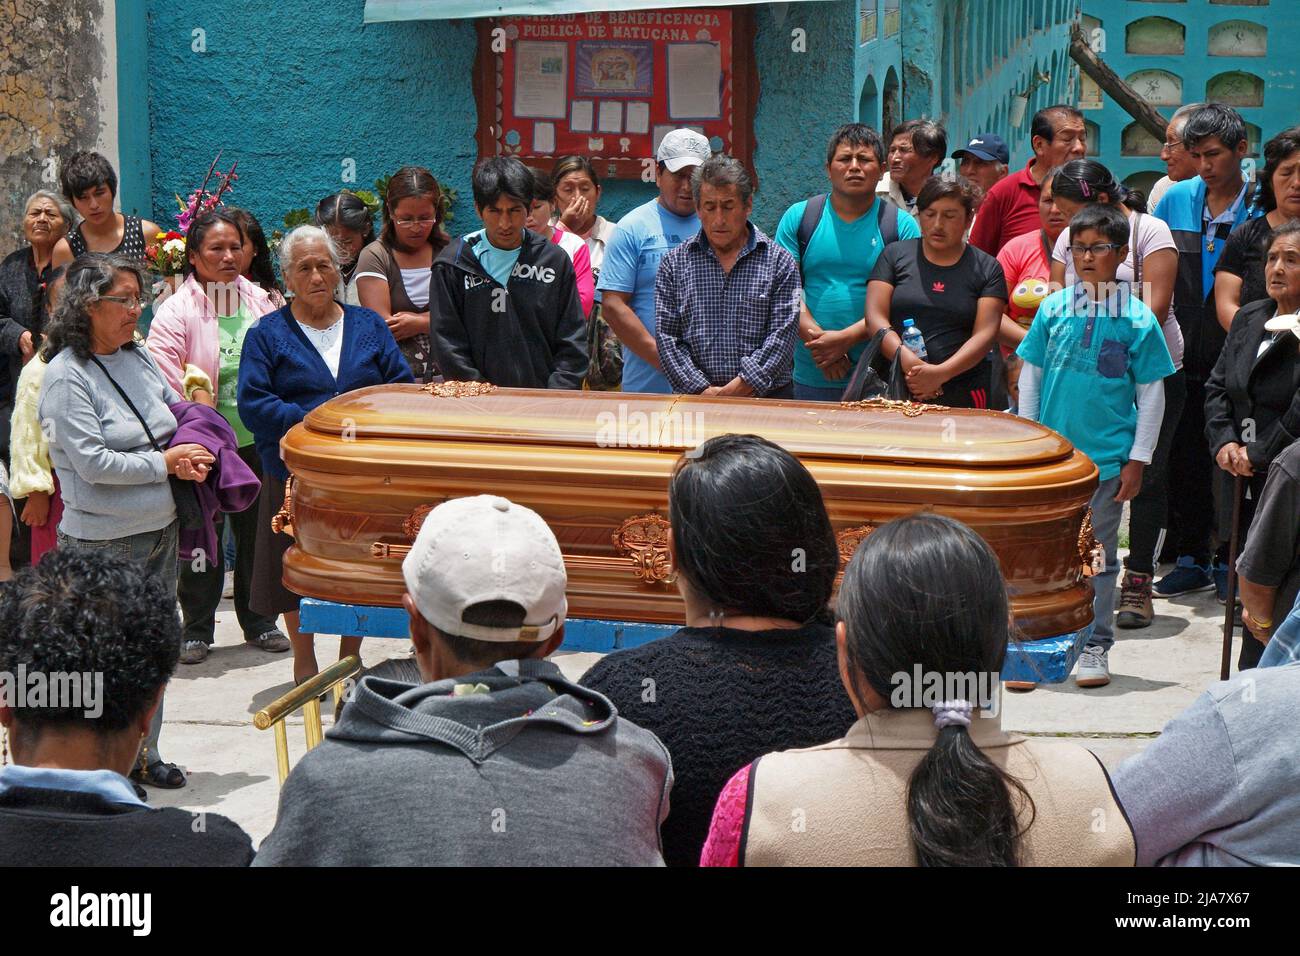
(754, 670)
(66, 800)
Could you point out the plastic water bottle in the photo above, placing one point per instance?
(913, 338)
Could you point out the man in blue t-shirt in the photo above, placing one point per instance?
(839, 254)
(1094, 364)
(642, 237)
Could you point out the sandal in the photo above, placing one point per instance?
(165, 776)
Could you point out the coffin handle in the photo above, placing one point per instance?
(848, 540)
(1090, 555)
(644, 540)
(282, 521)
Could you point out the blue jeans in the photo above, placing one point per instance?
(1284, 646)
(158, 552)
(810, 393)
(1106, 514)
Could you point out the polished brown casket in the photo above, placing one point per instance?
(367, 466)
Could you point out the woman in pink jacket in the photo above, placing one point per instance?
(203, 324)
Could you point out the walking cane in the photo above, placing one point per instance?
(1237, 493)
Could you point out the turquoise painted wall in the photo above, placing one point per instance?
(295, 90)
(134, 175)
(878, 64)
(802, 98)
(976, 54)
(304, 93)
(294, 104)
(1195, 67)
(960, 61)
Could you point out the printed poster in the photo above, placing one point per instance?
(614, 69)
(541, 80)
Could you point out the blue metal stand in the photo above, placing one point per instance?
(1047, 661)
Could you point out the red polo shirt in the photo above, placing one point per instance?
(1010, 209)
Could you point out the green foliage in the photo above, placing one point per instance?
(372, 201)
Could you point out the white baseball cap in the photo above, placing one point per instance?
(486, 548)
(682, 147)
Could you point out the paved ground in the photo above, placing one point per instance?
(1156, 672)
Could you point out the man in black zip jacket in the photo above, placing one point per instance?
(504, 304)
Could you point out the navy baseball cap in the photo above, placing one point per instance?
(986, 146)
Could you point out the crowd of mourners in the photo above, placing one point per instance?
(1157, 333)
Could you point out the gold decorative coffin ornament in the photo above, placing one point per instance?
(368, 466)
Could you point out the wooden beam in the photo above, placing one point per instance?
(1110, 81)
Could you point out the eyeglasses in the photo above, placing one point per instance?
(1176, 144)
(1096, 249)
(130, 301)
(411, 223)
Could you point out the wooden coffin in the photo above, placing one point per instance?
(368, 466)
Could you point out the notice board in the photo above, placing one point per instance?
(610, 85)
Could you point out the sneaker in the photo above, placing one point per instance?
(1186, 578)
(272, 641)
(1093, 670)
(194, 652)
(1135, 601)
(228, 589)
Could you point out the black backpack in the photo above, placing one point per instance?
(886, 220)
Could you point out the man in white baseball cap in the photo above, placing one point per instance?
(494, 758)
(641, 239)
(484, 582)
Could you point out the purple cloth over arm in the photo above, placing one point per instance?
(231, 485)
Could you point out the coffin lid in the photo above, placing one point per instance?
(675, 423)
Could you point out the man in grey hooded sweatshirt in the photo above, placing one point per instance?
(495, 759)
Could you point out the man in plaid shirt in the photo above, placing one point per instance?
(727, 300)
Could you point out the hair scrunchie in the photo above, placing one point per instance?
(952, 713)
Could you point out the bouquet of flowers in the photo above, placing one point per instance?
(201, 200)
(166, 254)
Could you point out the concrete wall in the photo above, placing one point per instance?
(1177, 40)
(968, 58)
(878, 64)
(306, 99)
(802, 98)
(323, 97)
(961, 61)
(60, 95)
(328, 97)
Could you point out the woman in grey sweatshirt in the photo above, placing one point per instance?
(114, 481)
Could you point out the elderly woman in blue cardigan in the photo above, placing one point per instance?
(294, 359)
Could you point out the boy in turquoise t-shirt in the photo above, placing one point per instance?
(1094, 361)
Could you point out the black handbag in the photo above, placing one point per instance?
(874, 376)
(188, 511)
